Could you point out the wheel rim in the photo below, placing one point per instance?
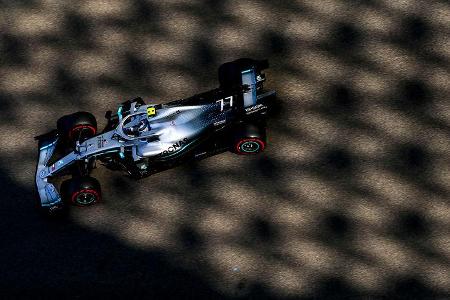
(250, 146)
(82, 132)
(85, 197)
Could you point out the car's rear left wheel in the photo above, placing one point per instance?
(249, 139)
(249, 146)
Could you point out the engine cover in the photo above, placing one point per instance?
(172, 130)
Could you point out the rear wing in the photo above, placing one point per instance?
(230, 72)
(243, 73)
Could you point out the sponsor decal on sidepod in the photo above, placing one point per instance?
(175, 147)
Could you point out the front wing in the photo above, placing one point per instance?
(48, 194)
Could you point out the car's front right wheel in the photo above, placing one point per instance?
(78, 126)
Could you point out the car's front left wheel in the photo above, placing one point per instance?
(81, 191)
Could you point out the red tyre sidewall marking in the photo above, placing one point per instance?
(82, 127)
(74, 195)
(259, 141)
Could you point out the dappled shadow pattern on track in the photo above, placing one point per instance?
(351, 197)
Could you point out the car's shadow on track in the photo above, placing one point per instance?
(47, 259)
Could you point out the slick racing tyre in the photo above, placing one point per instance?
(249, 140)
(81, 191)
(79, 126)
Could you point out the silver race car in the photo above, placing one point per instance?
(142, 139)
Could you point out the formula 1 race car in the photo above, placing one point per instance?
(142, 139)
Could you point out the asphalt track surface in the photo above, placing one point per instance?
(350, 199)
